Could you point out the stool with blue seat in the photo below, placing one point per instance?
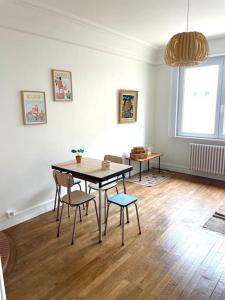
(122, 200)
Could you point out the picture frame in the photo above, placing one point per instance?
(34, 107)
(62, 85)
(128, 102)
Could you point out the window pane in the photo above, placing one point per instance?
(199, 100)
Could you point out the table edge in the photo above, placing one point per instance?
(92, 178)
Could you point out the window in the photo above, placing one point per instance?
(201, 97)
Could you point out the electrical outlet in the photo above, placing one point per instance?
(10, 213)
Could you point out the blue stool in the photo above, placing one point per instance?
(122, 200)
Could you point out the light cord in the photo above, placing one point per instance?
(188, 14)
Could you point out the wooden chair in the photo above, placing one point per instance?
(122, 200)
(56, 204)
(92, 186)
(72, 199)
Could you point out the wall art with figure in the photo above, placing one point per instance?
(128, 106)
(62, 85)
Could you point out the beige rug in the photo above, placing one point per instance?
(151, 178)
(217, 221)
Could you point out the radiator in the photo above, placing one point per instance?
(207, 158)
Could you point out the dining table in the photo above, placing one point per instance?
(90, 170)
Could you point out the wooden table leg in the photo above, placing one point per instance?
(148, 165)
(159, 164)
(140, 172)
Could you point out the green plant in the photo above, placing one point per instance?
(78, 151)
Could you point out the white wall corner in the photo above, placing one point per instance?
(31, 17)
(159, 57)
(173, 101)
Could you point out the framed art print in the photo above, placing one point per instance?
(128, 101)
(34, 107)
(62, 85)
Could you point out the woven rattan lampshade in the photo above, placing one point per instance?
(186, 49)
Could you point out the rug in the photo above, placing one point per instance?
(217, 221)
(150, 178)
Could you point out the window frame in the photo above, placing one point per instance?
(220, 101)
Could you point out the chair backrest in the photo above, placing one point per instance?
(112, 158)
(63, 179)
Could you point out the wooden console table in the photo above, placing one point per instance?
(140, 160)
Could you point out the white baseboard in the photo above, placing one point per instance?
(185, 170)
(26, 214)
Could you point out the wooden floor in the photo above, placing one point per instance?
(174, 258)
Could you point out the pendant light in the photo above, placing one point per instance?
(186, 48)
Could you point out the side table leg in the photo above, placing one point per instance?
(148, 165)
(130, 171)
(140, 172)
(159, 165)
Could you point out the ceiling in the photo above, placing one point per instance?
(152, 21)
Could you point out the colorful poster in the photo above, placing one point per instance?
(34, 107)
(62, 85)
(128, 106)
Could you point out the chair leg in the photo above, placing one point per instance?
(106, 220)
(96, 211)
(128, 221)
(105, 204)
(138, 218)
(117, 191)
(87, 203)
(122, 213)
(68, 211)
(74, 223)
(80, 214)
(60, 220)
(58, 207)
(80, 190)
(87, 206)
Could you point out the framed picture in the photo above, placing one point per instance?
(128, 101)
(34, 107)
(62, 85)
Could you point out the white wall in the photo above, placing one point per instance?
(90, 121)
(175, 150)
(34, 41)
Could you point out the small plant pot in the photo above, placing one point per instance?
(78, 159)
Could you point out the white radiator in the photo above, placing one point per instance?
(207, 158)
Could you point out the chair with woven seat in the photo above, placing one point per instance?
(122, 200)
(56, 204)
(72, 199)
(106, 188)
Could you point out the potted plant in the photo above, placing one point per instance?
(79, 153)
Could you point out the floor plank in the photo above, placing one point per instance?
(174, 258)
